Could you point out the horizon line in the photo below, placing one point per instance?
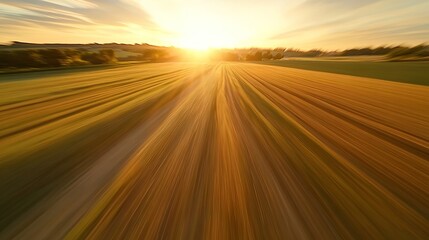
(10, 43)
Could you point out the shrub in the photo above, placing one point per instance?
(406, 51)
(278, 56)
(267, 55)
(39, 58)
(53, 57)
(103, 56)
(257, 56)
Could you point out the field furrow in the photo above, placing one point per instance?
(212, 151)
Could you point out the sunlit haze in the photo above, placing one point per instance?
(201, 24)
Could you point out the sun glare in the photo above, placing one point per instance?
(203, 38)
(195, 41)
(203, 25)
(204, 32)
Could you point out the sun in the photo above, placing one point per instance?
(204, 32)
(202, 25)
(195, 41)
(204, 37)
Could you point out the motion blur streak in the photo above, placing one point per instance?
(213, 151)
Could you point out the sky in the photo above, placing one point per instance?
(305, 24)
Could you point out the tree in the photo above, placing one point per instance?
(53, 57)
(404, 51)
(109, 54)
(267, 55)
(278, 56)
(257, 56)
(103, 56)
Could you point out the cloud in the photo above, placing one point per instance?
(315, 14)
(73, 3)
(271, 23)
(65, 16)
(345, 24)
(14, 11)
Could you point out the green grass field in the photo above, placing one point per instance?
(406, 72)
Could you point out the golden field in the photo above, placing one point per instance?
(212, 151)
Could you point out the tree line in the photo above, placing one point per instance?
(390, 52)
(42, 58)
(264, 55)
(395, 51)
(57, 57)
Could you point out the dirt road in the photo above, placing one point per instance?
(213, 151)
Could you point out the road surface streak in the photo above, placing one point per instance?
(214, 151)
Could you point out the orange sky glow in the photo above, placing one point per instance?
(199, 24)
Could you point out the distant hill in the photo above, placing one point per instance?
(26, 45)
